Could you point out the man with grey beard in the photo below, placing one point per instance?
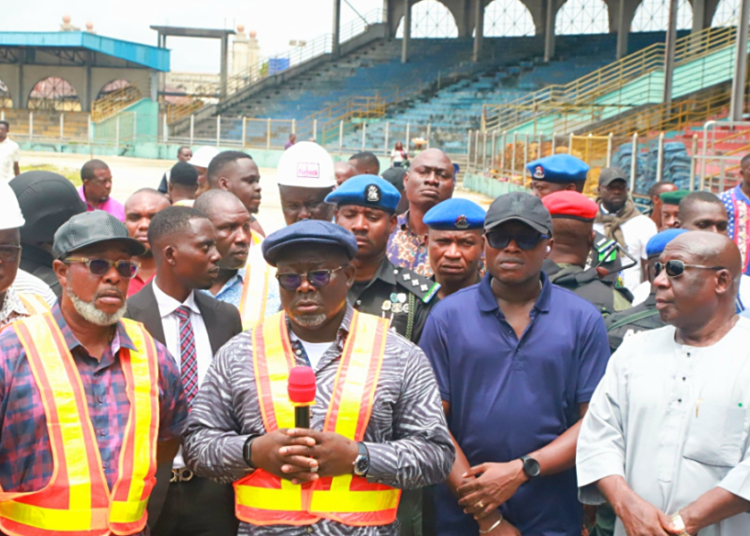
(86, 393)
(377, 424)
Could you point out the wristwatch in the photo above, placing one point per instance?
(531, 467)
(679, 524)
(247, 451)
(362, 461)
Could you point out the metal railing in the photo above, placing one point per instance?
(114, 102)
(175, 112)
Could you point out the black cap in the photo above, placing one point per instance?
(611, 174)
(183, 173)
(522, 207)
(92, 228)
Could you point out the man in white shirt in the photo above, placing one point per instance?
(665, 439)
(620, 220)
(10, 154)
(193, 326)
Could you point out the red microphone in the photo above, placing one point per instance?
(301, 389)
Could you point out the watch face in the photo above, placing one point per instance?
(361, 465)
(531, 467)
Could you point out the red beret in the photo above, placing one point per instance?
(570, 204)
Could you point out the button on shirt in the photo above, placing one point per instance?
(170, 323)
(406, 435)
(9, 154)
(673, 421)
(510, 397)
(25, 456)
(408, 249)
(231, 293)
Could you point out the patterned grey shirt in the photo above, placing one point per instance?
(406, 436)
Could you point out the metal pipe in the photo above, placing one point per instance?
(341, 136)
(484, 150)
(539, 146)
(192, 128)
(429, 133)
(476, 150)
(525, 154)
(165, 134)
(364, 135)
(554, 135)
(609, 150)
(387, 132)
(268, 133)
(218, 130)
(294, 126)
(494, 148)
(468, 149)
(660, 158)
(705, 149)
(62, 126)
(502, 153)
(408, 125)
(513, 160)
(117, 133)
(634, 161)
(315, 130)
(244, 130)
(669, 52)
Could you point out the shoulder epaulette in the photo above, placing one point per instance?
(422, 287)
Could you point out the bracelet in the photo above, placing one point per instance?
(493, 527)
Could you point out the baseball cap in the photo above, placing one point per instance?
(92, 228)
(10, 211)
(522, 207)
(611, 174)
(306, 165)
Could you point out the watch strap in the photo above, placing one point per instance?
(247, 450)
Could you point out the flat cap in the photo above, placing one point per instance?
(308, 232)
(366, 191)
(657, 243)
(92, 228)
(570, 204)
(519, 206)
(455, 215)
(610, 175)
(673, 198)
(562, 168)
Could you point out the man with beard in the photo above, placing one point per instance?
(97, 187)
(140, 209)
(620, 220)
(193, 326)
(237, 172)
(91, 402)
(245, 279)
(429, 181)
(376, 426)
(305, 176)
(455, 244)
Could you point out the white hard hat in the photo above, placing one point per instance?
(11, 216)
(203, 156)
(306, 165)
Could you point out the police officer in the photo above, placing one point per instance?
(566, 172)
(573, 222)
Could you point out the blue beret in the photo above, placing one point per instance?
(366, 191)
(558, 168)
(659, 241)
(455, 215)
(308, 232)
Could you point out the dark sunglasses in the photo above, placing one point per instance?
(9, 253)
(525, 240)
(100, 267)
(676, 268)
(316, 278)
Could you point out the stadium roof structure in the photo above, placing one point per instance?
(76, 48)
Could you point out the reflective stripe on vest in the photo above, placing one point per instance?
(34, 303)
(259, 276)
(77, 499)
(264, 499)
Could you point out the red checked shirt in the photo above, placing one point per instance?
(25, 455)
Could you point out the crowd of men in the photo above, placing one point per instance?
(551, 366)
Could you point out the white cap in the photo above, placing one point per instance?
(11, 216)
(203, 156)
(306, 165)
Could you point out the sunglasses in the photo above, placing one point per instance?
(316, 278)
(9, 253)
(100, 267)
(676, 268)
(525, 240)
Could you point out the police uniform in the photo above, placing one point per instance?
(566, 169)
(583, 282)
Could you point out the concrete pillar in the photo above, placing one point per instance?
(623, 29)
(669, 51)
(699, 15)
(224, 66)
(549, 33)
(23, 91)
(740, 65)
(336, 47)
(407, 32)
(478, 29)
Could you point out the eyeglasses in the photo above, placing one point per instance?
(316, 278)
(525, 240)
(9, 253)
(676, 268)
(100, 267)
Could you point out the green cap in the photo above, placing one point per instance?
(673, 198)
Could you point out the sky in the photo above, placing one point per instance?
(276, 22)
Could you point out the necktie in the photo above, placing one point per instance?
(188, 360)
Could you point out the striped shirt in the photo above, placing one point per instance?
(406, 436)
(25, 283)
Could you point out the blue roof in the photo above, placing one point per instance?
(145, 55)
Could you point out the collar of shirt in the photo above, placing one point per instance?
(168, 305)
(120, 340)
(341, 336)
(12, 305)
(384, 273)
(235, 280)
(740, 195)
(488, 303)
(403, 224)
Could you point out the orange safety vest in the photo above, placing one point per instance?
(34, 303)
(264, 499)
(77, 500)
(259, 275)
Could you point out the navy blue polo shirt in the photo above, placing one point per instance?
(510, 397)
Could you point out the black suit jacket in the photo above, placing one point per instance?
(222, 323)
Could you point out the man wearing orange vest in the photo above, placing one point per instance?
(245, 279)
(89, 402)
(376, 424)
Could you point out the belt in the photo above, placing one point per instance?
(181, 475)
